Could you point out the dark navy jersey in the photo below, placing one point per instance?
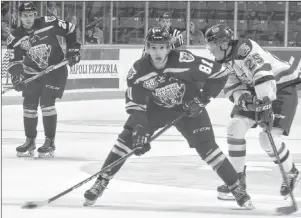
(176, 83)
(40, 49)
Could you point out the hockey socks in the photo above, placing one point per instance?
(227, 173)
(237, 153)
(30, 119)
(49, 121)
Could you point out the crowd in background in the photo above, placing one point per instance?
(263, 21)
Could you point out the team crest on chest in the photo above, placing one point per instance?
(40, 55)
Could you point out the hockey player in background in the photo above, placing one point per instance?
(161, 86)
(32, 48)
(175, 34)
(256, 76)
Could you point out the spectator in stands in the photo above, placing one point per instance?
(175, 34)
(90, 39)
(52, 9)
(196, 37)
(74, 21)
(124, 37)
(98, 34)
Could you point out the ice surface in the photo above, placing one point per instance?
(169, 181)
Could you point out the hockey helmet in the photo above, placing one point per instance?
(165, 15)
(27, 7)
(219, 40)
(218, 34)
(158, 35)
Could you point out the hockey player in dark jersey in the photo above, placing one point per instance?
(32, 48)
(256, 76)
(161, 86)
(175, 34)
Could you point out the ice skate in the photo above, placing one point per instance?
(27, 149)
(92, 194)
(47, 149)
(224, 192)
(242, 198)
(293, 178)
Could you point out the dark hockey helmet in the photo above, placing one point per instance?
(219, 33)
(165, 15)
(158, 35)
(219, 40)
(27, 7)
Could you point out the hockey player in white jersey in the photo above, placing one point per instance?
(256, 75)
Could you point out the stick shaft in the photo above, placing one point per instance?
(156, 135)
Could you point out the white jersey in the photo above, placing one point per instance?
(253, 68)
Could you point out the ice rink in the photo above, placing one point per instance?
(169, 181)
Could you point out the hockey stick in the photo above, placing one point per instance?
(288, 209)
(36, 204)
(46, 71)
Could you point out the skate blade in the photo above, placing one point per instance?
(225, 196)
(88, 203)
(295, 185)
(25, 154)
(46, 155)
(249, 205)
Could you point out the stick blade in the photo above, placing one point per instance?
(33, 204)
(286, 210)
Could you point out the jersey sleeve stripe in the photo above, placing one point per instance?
(20, 40)
(232, 87)
(263, 79)
(134, 106)
(219, 74)
(43, 29)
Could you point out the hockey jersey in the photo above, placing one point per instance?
(253, 68)
(40, 49)
(176, 83)
(177, 40)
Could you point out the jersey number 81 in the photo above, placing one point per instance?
(206, 67)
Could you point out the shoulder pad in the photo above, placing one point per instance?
(14, 37)
(244, 47)
(49, 19)
(134, 69)
(185, 56)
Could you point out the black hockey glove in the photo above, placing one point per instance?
(18, 82)
(195, 107)
(264, 113)
(140, 137)
(73, 53)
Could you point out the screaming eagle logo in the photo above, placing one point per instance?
(40, 54)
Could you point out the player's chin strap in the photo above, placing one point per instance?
(44, 72)
(36, 204)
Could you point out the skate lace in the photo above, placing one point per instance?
(239, 192)
(99, 186)
(47, 143)
(28, 141)
(290, 176)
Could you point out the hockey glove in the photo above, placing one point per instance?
(264, 113)
(195, 107)
(247, 102)
(18, 82)
(73, 53)
(140, 137)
